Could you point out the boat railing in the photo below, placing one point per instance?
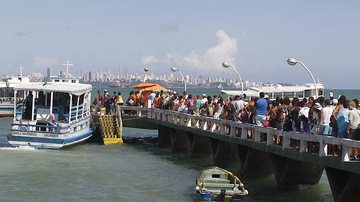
(249, 132)
(44, 127)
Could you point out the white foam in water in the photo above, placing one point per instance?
(25, 148)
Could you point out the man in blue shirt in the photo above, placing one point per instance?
(261, 110)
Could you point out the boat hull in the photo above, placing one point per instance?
(6, 111)
(49, 142)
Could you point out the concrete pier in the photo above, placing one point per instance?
(201, 146)
(290, 172)
(231, 148)
(255, 162)
(345, 186)
(226, 156)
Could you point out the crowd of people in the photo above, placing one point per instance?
(107, 102)
(333, 117)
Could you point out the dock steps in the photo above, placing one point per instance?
(110, 129)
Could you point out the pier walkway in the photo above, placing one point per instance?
(291, 160)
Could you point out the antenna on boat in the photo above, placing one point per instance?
(67, 67)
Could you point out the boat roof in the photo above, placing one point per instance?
(71, 88)
(13, 81)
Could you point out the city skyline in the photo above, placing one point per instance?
(196, 37)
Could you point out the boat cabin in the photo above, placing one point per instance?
(51, 107)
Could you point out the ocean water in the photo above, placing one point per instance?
(128, 172)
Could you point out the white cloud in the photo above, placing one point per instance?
(224, 50)
(149, 59)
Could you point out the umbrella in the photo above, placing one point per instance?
(143, 85)
(155, 88)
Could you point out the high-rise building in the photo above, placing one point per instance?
(48, 74)
(90, 76)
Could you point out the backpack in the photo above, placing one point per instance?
(244, 115)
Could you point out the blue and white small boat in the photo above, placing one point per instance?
(217, 184)
(51, 115)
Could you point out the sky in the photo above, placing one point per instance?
(256, 37)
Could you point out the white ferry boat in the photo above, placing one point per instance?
(277, 90)
(51, 115)
(7, 94)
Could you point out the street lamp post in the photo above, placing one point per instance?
(227, 65)
(145, 70)
(293, 62)
(173, 69)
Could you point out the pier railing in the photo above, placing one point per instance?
(250, 132)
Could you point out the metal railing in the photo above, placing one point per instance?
(289, 139)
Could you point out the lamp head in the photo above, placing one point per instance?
(292, 61)
(173, 69)
(226, 65)
(146, 69)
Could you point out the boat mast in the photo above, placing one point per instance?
(67, 68)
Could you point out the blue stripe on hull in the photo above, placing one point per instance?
(62, 142)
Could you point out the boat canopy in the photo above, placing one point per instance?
(71, 88)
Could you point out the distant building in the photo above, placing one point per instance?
(90, 76)
(48, 74)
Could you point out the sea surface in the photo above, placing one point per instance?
(127, 172)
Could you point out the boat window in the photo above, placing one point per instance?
(288, 94)
(277, 95)
(215, 175)
(300, 94)
(57, 80)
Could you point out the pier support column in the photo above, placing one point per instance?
(227, 157)
(290, 172)
(201, 146)
(164, 136)
(254, 162)
(181, 140)
(345, 186)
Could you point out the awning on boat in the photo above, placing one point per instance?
(71, 88)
